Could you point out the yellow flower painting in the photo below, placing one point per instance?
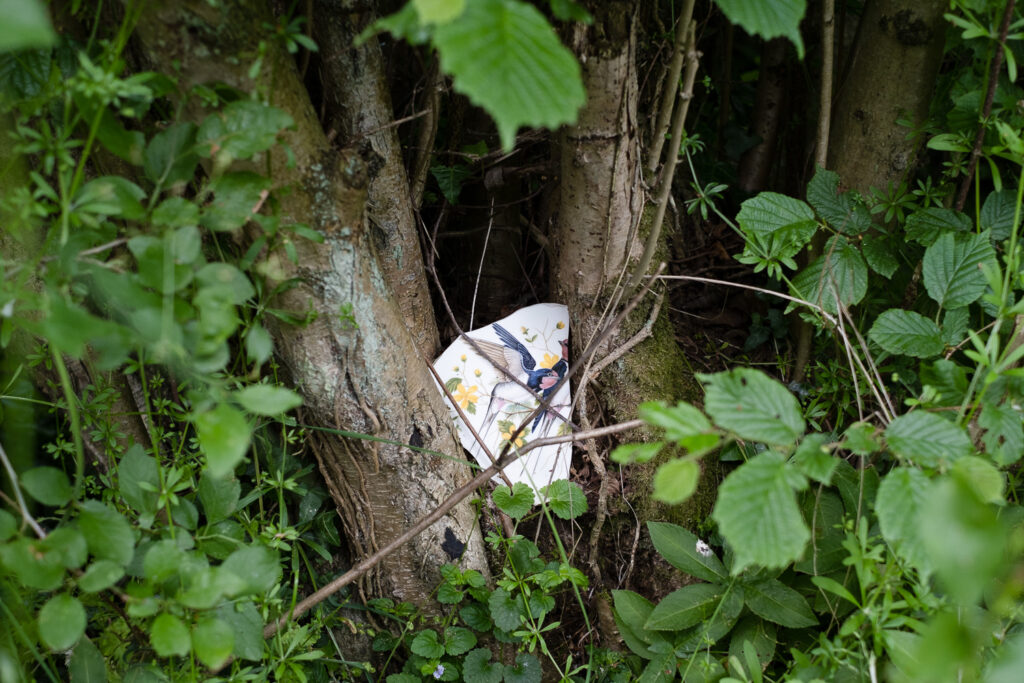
(466, 396)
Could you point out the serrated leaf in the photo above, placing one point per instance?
(680, 548)
(758, 515)
(247, 624)
(685, 607)
(879, 254)
(218, 496)
(224, 436)
(526, 669)
(768, 19)
(997, 214)
(565, 498)
(753, 406)
(679, 421)
(838, 209)
(61, 622)
(515, 502)
(838, 277)
(107, 533)
(778, 603)
(908, 333)
(458, 640)
(771, 213)
(506, 611)
(1004, 432)
(48, 485)
(927, 439)
(675, 481)
(927, 225)
(505, 57)
(478, 667)
(951, 268)
(982, 477)
(169, 636)
(814, 459)
(427, 644)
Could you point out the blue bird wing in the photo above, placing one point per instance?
(511, 342)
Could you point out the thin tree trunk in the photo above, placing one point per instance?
(362, 372)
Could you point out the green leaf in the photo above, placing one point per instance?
(478, 667)
(838, 209)
(506, 611)
(760, 634)
(685, 607)
(771, 213)
(768, 19)
(824, 511)
(163, 559)
(247, 624)
(565, 498)
(258, 567)
(951, 268)
(25, 25)
(927, 225)
(228, 282)
(236, 198)
(438, 11)
(982, 478)
(505, 57)
(69, 544)
(1004, 432)
(258, 344)
(458, 640)
(48, 485)
(213, 641)
(997, 214)
(100, 575)
(34, 564)
(838, 275)
(901, 496)
(218, 496)
(450, 179)
(679, 547)
(880, 255)
(264, 399)
(61, 622)
(224, 436)
(629, 453)
(679, 421)
(515, 502)
(758, 515)
(814, 459)
(170, 158)
(526, 669)
(631, 613)
(477, 617)
(753, 406)
(241, 129)
(111, 196)
(675, 481)
(175, 212)
(169, 636)
(138, 480)
(710, 632)
(8, 525)
(87, 664)
(907, 333)
(107, 533)
(927, 439)
(778, 603)
(426, 644)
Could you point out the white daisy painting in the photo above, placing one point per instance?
(519, 360)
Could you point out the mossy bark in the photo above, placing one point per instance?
(361, 373)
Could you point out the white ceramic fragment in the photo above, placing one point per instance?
(531, 345)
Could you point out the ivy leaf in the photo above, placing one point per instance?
(951, 268)
(505, 57)
(838, 277)
(679, 547)
(753, 406)
(778, 603)
(514, 502)
(768, 19)
(224, 436)
(675, 481)
(449, 179)
(566, 499)
(61, 622)
(907, 333)
(758, 515)
(927, 439)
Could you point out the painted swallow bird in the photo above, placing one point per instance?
(516, 361)
(549, 383)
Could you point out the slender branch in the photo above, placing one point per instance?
(425, 144)
(26, 516)
(993, 83)
(668, 99)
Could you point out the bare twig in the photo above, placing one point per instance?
(993, 83)
(668, 99)
(425, 144)
(26, 516)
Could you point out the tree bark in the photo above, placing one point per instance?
(361, 373)
(891, 75)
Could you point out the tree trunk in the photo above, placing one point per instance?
(362, 373)
(892, 73)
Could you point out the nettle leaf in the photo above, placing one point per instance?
(778, 603)
(753, 406)
(685, 607)
(566, 499)
(675, 481)
(927, 225)
(838, 209)
(48, 485)
(241, 129)
(768, 19)
(224, 436)
(61, 622)
(679, 547)
(838, 277)
(879, 254)
(771, 213)
(264, 399)
(514, 502)
(997, 214)
(927, 439)
(907, 333)
(952, 268)
(449, 179)
(758, 515)
(505, 57)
